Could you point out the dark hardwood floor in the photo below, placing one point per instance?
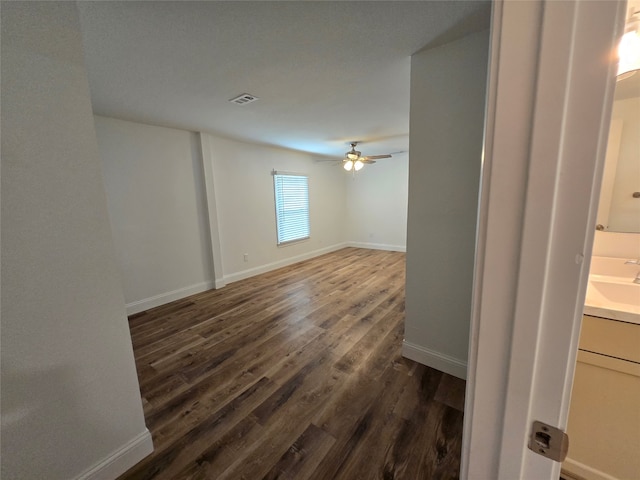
(295, 374)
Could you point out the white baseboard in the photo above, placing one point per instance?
(121, 460)
(251, 272)
(161, 299)
(582, 470)
(378, 246)
(439, 361)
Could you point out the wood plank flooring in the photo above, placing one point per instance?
(295, 374)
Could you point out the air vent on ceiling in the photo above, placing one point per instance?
(244, 99)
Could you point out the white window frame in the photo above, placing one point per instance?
(296, 226)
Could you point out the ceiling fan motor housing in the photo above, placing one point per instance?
(353, 154)
(353, 159)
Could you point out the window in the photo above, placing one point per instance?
(292, 207)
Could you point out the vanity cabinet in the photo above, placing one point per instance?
(610, 337)
(604, 417)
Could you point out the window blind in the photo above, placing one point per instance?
(292, 207)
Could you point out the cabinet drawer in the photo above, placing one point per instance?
(610, 337)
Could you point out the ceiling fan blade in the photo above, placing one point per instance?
(375, 157)
(367, 161)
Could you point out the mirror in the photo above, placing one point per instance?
(619, 207)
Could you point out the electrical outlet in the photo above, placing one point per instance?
(246, 257)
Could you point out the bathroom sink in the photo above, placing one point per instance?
(611, 292)
(614, 295)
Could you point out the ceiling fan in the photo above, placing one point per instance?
(354, 161)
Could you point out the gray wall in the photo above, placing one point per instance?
(447, 120)
(70, 398)
(377, 204)
(153, 177)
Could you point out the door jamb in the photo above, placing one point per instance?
(539, 194)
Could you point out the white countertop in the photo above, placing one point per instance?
(604, 312)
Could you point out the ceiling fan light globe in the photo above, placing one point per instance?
(348, 165)
(629, 48)
(358, 165)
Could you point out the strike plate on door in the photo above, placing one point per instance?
(548, 441)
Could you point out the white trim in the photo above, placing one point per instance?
(431, 358)
(378, 246)
(549, 101)
(503, 176)
(161, 299)
(121, 460)
(581, 470)
(275, 172)
(569, 136)
(251, 272)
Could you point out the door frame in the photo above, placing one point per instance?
(549, 98)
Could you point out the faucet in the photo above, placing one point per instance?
(634, 262)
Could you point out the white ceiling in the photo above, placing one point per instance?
(325, 72)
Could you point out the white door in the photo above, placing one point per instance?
(551, 81)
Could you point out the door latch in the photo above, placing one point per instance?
(548, 441)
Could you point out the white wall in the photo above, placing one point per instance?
(613, 244)
(377, 204)
(246, 212)
(624, 215)
(153, 177)
(70, 398)
(447, 119)
(178, 200)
